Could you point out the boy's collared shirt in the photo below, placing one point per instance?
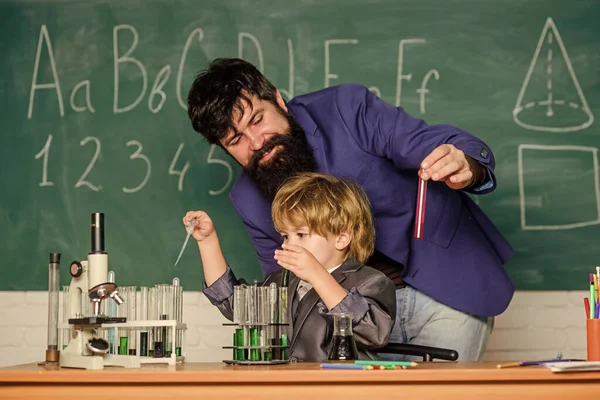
(304, 287)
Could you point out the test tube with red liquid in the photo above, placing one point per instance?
(420, 210)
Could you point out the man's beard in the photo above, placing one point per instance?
(294, 156)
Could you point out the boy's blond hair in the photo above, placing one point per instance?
(327, 205)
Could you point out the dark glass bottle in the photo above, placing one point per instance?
(343, 346)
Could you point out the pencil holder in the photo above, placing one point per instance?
(593, 339)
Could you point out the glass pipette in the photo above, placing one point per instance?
(189, 229)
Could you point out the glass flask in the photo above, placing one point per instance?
(343, 347)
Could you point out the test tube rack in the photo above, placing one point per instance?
(136, 327)
(260, 318)
(261, 354)
(147, 325)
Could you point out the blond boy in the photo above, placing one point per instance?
(327, 233)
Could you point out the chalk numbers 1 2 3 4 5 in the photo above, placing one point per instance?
(137, 156)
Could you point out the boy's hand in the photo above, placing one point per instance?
(299, 261)
(204, 225)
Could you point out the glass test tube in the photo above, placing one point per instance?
(239, 308)
(131, 304)
(170, 315)
(283, 319)
(259, 320)
(53, 305)
(265, 329)
(179, 312)
(122, 332)
(175, 316)
(66, 335)
(143, 316)
(273, 319)
(246, 322)
(159, 332)
(238, 304)
(152, 313)
(111, 312)
(420, 209)
(252, 300)
(238, 319)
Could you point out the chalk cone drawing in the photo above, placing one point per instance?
(551, 98)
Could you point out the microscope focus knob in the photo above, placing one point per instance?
(76, 269)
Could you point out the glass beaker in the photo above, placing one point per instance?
(343, 347)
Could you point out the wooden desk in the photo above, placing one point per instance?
(200, 381)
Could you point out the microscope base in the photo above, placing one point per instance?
(78, 355)
(98, 362)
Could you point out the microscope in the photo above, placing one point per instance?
(90, 278)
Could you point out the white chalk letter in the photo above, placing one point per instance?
(329, 75)
(34, 85)
(288, 94)
(186, 48)
(241, 37)
(400, 75)
(157, 88)
(123, 59)
(88, 102)
(423, 90)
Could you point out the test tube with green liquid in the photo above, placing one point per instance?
(239, 354)
(111, 312)
(265, 328)
(284, 348)
(259, 320)
(252, 300)
(122, 332)
(239, 317)
(283, 319)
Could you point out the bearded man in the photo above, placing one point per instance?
(451, 283)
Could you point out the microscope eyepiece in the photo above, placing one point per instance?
(98, 233)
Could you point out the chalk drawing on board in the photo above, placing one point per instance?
(551, 98)
(537, 200)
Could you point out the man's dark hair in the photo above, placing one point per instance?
(219, 90)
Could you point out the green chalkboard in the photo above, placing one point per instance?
(93, 119)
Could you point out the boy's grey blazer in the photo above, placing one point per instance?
(371, 299)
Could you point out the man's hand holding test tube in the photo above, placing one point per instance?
(449, 164)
